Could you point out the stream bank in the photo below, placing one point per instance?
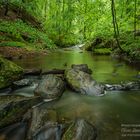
(108, 46)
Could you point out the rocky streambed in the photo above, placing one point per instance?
(29, 116)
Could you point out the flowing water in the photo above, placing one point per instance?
(108, 113)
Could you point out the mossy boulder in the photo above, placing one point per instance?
(83, 83)
(9, 72)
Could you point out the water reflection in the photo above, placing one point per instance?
(107, 112)
(105, 69)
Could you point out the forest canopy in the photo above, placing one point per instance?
(69, 22)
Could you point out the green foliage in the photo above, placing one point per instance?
(13, 44)
(24, 33)
(69, 22)
(4, 38)
(131, 45)
(100, 45)
(104, 51)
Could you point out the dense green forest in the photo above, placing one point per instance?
(63, 23)
(69, 69)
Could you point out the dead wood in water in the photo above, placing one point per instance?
(36, 72)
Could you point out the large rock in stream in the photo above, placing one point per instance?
(44, 125)
(51, 131)
(80, 130)
(9, 72)
(83, 83)
(51, 87)
(13, 108)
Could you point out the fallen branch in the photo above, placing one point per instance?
(54, 71)
(37, 72)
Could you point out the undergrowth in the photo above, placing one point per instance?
(18, 33)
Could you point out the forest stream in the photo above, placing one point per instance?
(108, 113)
(69, 70)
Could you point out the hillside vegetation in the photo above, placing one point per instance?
(47, 24)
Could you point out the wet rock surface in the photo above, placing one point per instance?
(51, 131)
(50, 87)
(124, 86)
(44, 124)
(83, 83)
(80, 130)
(14, 132)
(12, 108)
(5, 91)
(22, 83)
(40, 117)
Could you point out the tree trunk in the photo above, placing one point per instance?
(135, 12)
(85, 27)
(115, 25)
(6, 3)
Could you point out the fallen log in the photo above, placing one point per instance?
(34, 72)
(37, 72)
(54, 71)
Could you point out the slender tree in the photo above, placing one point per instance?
(135, 16)
(115, 25)
(6, 5)
(85, 12)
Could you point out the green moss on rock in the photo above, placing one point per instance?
(9, 72)
(100, 46)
